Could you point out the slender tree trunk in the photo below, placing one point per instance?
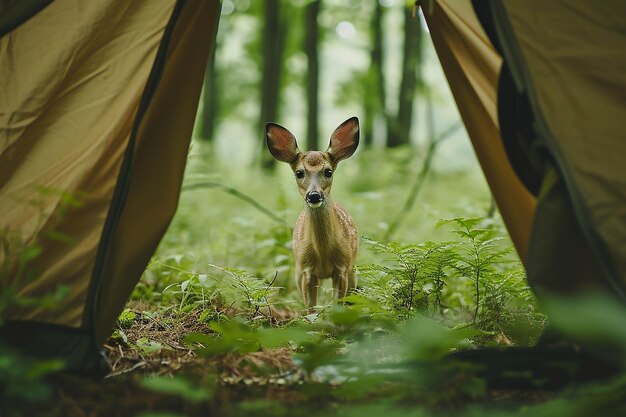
(210, 99)
(375, 100)
(273, 47)
(411, 74)
(311, 44)
(400, 129)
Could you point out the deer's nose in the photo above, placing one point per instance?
(314, 197)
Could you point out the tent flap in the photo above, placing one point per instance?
(94, 135)
(574, 81)
(472, 67)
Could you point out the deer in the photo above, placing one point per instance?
(325, 237)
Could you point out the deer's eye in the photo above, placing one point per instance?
(328, 172)
(299, 173)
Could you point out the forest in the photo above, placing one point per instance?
(217, 324)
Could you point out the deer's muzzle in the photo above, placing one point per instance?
(314, 198)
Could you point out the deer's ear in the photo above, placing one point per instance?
(281, 143)
(344, 140)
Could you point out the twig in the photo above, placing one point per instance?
(491, 211)
(269, 307)
(239, 195)
(420, 179)
(124, 371)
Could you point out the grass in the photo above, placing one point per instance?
(216, 327)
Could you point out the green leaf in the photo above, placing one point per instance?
(30, 253)
(177, 386)
(198, 338)
(126, 318)
(596, 321)
(148, 347)
(425, 340)
(281, 337)
(59, 237)
(318, 354)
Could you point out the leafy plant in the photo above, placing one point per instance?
(177, 386)
(480, 255)
(22, 378)
(250, 291)
(412, 279)
(431, 278)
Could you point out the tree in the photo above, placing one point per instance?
(374, 104)
(399, 128)
(274, 36)
(311, 44)
(210, 99)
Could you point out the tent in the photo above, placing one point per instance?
(531, 85)
(543, 102)
(97, 106)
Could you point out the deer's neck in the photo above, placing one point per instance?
(322, 222)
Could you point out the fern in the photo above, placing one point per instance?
(229, 286)
(248, 290)
(480, 251)
(413, 278)
(473, 279)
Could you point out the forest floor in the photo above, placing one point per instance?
(264, 383)
(167, 378)
(216, 327)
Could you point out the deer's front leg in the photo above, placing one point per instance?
(352, 280)
(308, 286)
(340, 279)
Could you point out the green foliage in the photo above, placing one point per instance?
(480, 257)
(579, 318)
(216, 286)
(470, 280)
(385, 347)
(177, 386)
(126, 318)
(412, 279)
(148, 347)
(239, 336)
(22, 380)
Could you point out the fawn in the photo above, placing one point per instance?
(325, 237)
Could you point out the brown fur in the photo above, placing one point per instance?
(325, 242)
(325, 238)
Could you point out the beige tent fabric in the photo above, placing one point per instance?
(472, 66)
(575, 53)
(72, 77)
(160, 157)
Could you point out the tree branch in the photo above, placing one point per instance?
(239, 195)
(420, 179)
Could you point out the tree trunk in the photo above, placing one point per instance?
(210, 99)
(273, 47)
(311, 43)
(400, 129)
(375, 100)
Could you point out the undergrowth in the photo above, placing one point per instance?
(219, 326)
(386, 343)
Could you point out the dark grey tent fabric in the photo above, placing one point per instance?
(565, 111)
